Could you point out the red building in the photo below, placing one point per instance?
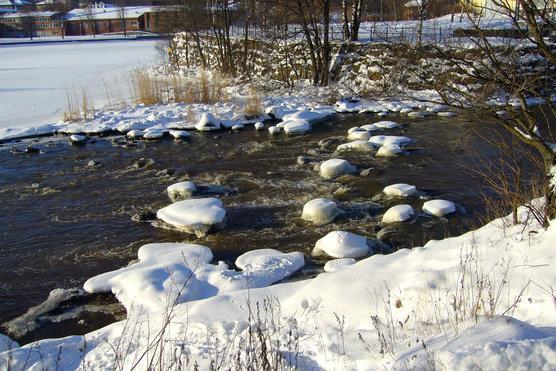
(30, 24)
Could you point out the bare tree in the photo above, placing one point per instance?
(506, 84)
(90, 18)
(121, 12)
(28, 24)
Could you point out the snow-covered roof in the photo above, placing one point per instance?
(107, 12)
(29, 14)
(14, 2)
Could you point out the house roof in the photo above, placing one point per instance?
(13, 3)
(108, 11)
(27, 14)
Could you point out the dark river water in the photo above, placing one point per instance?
(64, 219)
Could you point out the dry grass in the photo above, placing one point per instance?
(253, 104)
(79, 106)
(149, 89)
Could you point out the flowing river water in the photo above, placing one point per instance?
(66, 212)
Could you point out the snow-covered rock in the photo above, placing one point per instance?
(173, 273)
(269, 265)
(308, 115)
(398, 213)
(359, 135)
(208, 123)
(180, 134)
(335, 167)
(274, 130)
(78, 138)
(296, 126)
(338, 264)
(383, 140)
(181, 190)
(197, 216)
(386, 125)
(356, 145)
(237, 127)
(355, 128)
(439, 207)
(446, 114)
(259, 126)
(400, 190)
(320, 211)
(390, 150)
(346, 106)
(135, 133)
(340, 244)
(153, 134)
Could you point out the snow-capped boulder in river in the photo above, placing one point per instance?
(359, 135)
(78, 138)
(135, 133)
(237, 127)
(153, 134)
(335, 167)
(320, 211)
(439, 207)
(180, 134)
(400, 190)
(181, 190)
(298, 126)
(340, 244)
(273, 130)
(259, 126)
(386, 125)
(196, 216)
(338, 264)
(398, 213)
(356, 145)
(390, 150)
(384, 140)
(207, 123)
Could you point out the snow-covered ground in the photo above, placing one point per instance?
(484, 300)
(34, 78)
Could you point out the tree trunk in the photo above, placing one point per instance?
(345, 20)
(326, 44)
(355, 19)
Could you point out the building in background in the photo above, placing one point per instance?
(31, 24)
(12, 6)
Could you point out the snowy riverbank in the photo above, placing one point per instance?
(484, 299)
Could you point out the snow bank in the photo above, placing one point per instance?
(320, 211)
(173, 273)
(335, 167)
(421, 283)
(356, 145)
(501, 343)
(400, 190)
(390, 150)
(197, 216)
(208, 123)
(297, 126)
(181, 190)
(439, 207)
(7, 344)
(340, 244)
(338, 264)
(398, 213)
